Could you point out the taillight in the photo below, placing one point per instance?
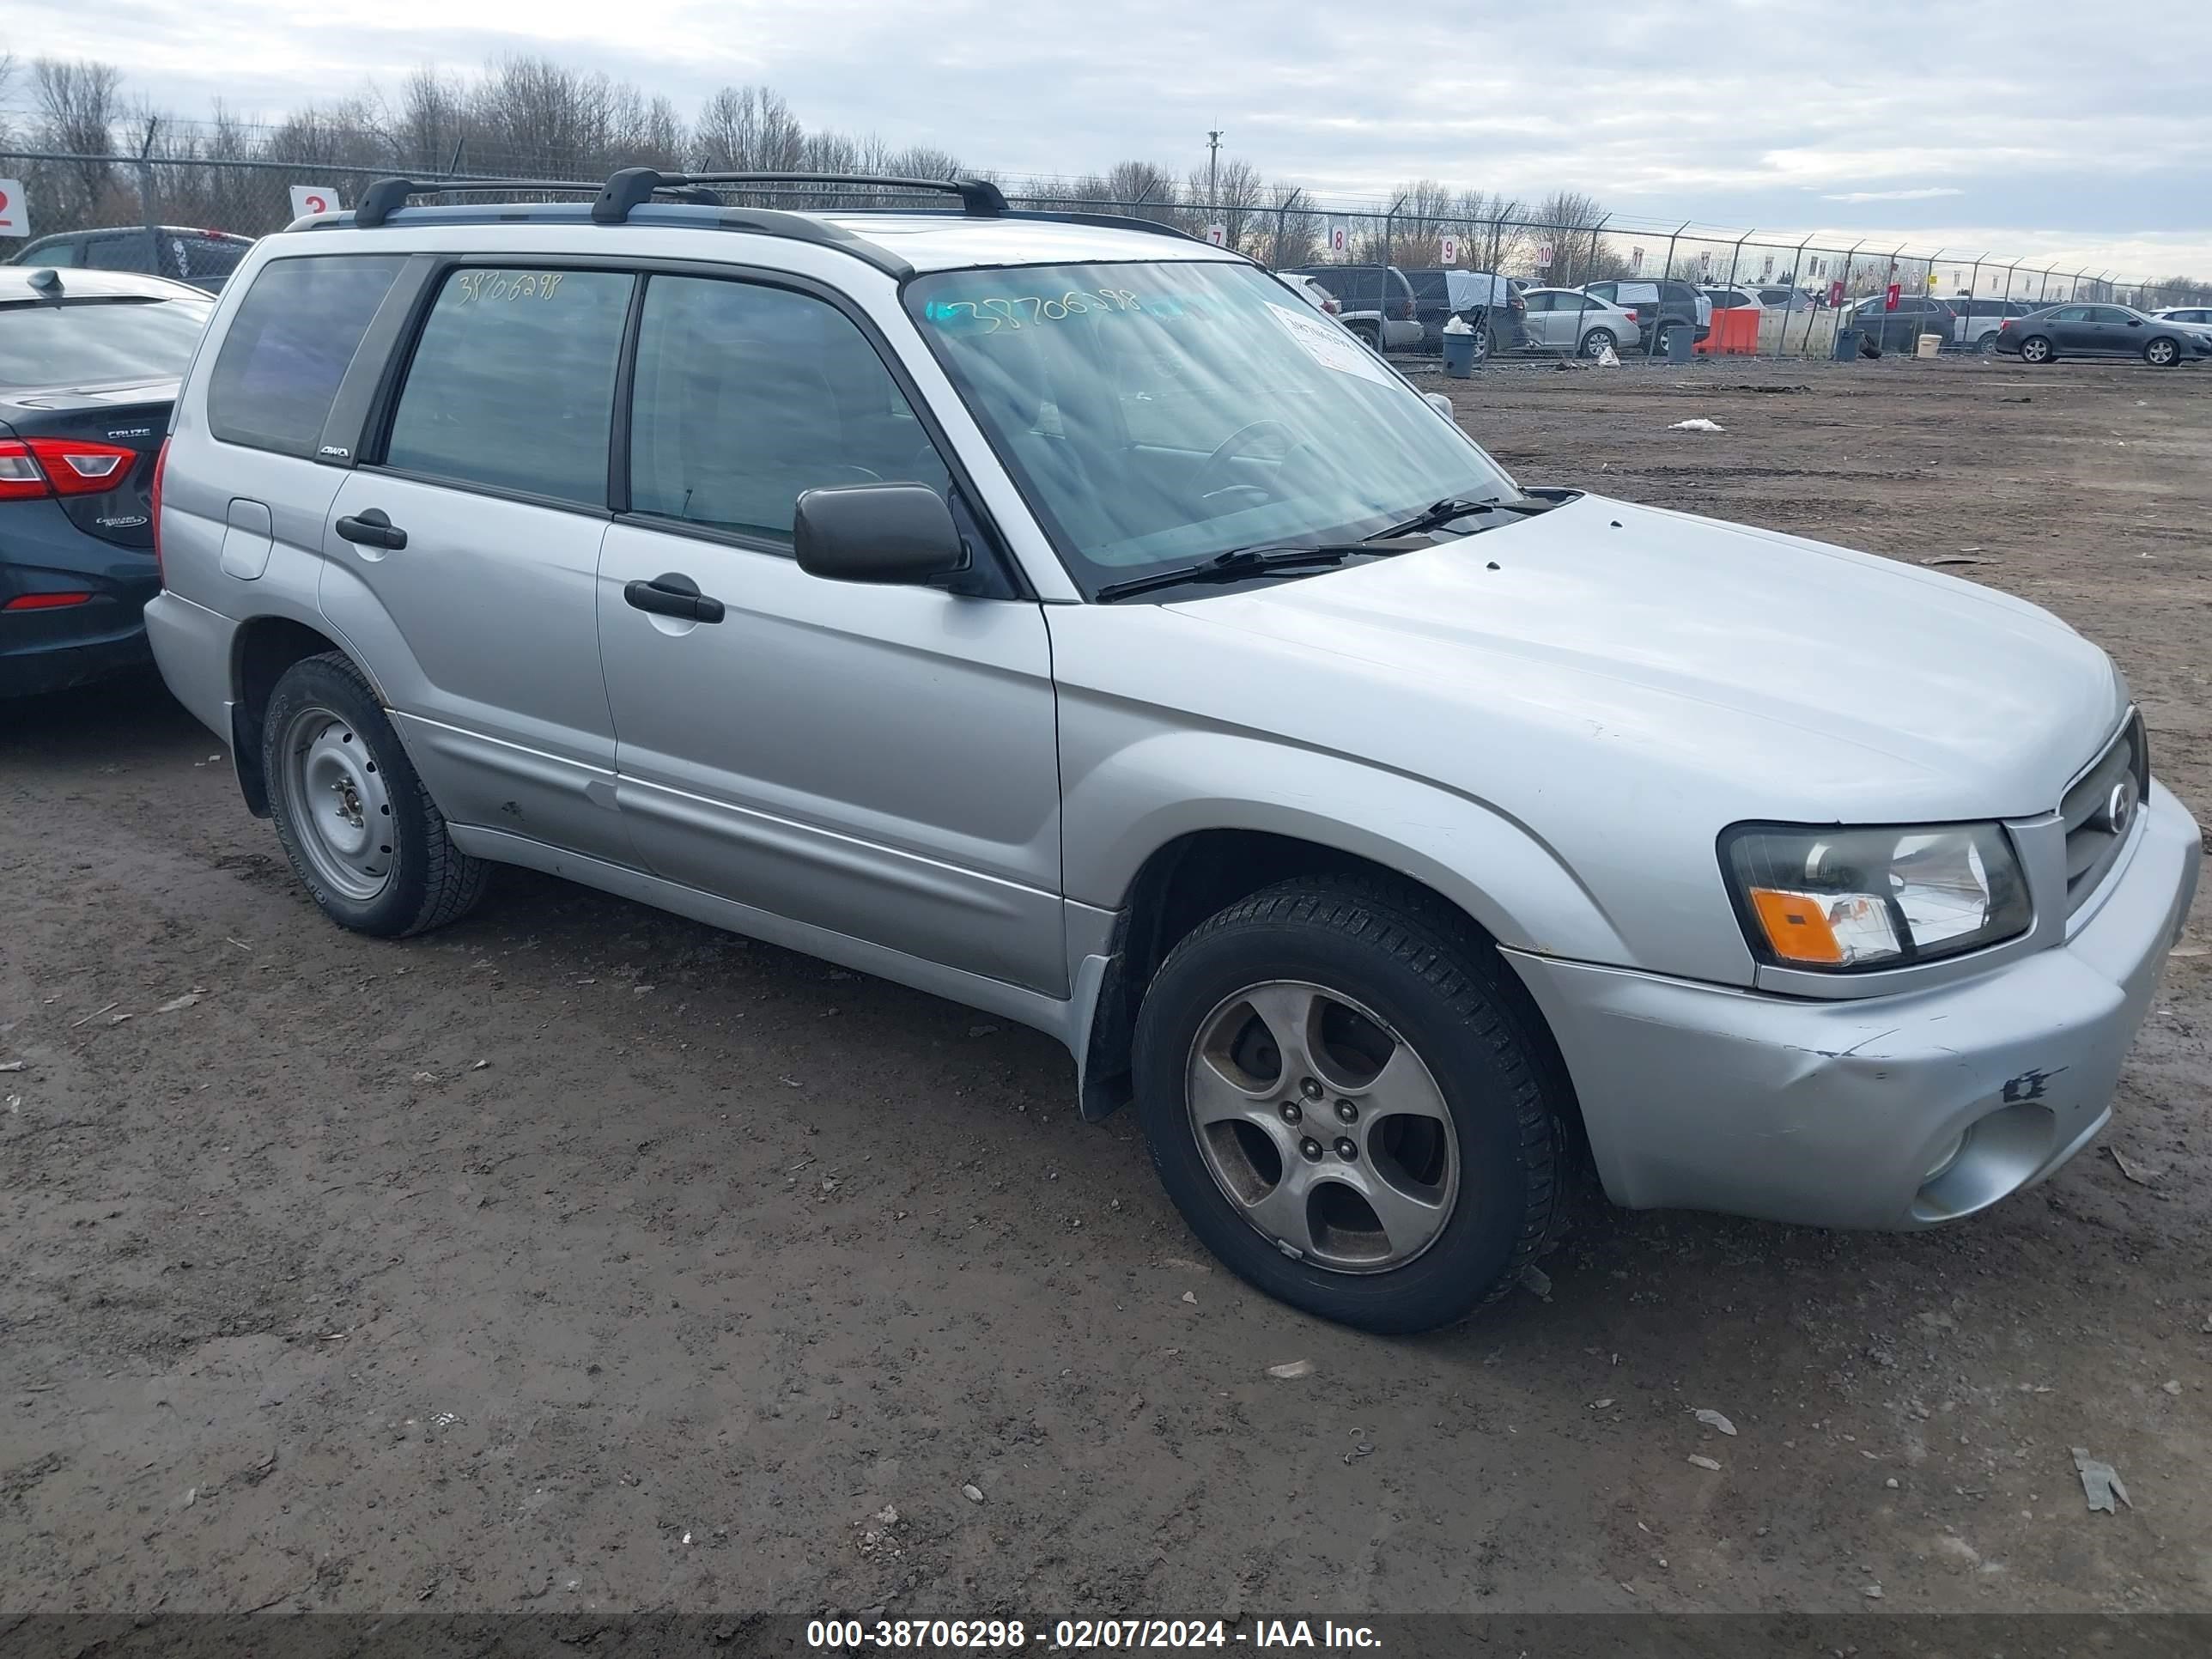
(1632, 314)
(60, 466)
(154, 507)
(1405, 310)
(1332, 307)
(2005, 325)
(45, 601)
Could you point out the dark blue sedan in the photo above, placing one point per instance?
(89, 361)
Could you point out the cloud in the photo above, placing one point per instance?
(1722, 112)
(1921, 195)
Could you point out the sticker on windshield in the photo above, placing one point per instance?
(1327, 344)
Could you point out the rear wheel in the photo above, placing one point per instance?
(2035, 350)
(1348, 1104)
(356, 823)
(1367, 333)
(1987, 345)
(2162, 353)
(1597, 343)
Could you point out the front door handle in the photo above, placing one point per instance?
(673, 596)
(372, 528)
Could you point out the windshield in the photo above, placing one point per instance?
(96, 341)
(1158, 414)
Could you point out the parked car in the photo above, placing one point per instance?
(1314, 294)
(1788, 299)
(1660, 304)
(204, 259)
(1979, 320)
(1899, 329)
(1377, 303)
(1734, 299)
(1567, 320)
(1116, 674)
(89, 367)
(2200, 316)
(2102, 330)
(1492, 306)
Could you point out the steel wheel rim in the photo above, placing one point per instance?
(1322, 1127)
(335, 797)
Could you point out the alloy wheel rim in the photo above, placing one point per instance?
(2162, 352)
(1322, 1126)
(335, 796)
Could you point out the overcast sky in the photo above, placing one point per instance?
(2031, 128)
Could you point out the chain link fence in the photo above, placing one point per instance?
(1281, 226)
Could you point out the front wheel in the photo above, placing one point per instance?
(1349, 1105)
(1597, 343)
(2035, 350)
(2162, 353)
(357, 824)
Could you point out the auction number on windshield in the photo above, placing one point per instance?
(1012, 311)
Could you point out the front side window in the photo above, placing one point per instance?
(289, 346)
(748, 396)
(1155, 414)
(513, 383)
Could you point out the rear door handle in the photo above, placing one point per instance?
(371, 528)
(673, 596)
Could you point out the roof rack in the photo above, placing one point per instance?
(632, 186)
(387, 196)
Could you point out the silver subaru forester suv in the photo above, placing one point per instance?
(1059, 615)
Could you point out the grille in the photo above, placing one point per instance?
(2101, 808)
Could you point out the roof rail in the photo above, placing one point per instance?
(387, 196)
(1110, 222)
(632, 186)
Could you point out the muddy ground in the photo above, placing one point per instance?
(582, 1257)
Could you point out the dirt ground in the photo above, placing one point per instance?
(580, 1257)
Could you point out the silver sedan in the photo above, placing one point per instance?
(1564, 320)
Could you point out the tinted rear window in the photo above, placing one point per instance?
(98, 342)
(513, 384)
(289, 345)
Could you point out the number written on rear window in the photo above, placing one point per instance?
(289, 346)
(513, 383)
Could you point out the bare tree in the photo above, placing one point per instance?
(79, 104)
(1237, 192)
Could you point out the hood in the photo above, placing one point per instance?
(1770, 676)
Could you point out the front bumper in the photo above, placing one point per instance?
(1833, 1113)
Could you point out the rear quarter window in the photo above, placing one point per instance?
(289, 345)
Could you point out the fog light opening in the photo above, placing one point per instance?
(1949, 1157)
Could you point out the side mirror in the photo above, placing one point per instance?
(1442, 405)
(881, 532)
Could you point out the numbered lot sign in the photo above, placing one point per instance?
(15, 210)
(309, 199)
(1448, 250)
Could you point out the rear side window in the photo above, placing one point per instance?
(513, 384)
(288, 347)
(749, 396)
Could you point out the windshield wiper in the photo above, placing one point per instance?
(1438, 514)
(1239, 563)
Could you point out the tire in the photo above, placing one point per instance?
(1595, 342)
(1482, 341)
(1367, 333)
(2163, 352)
(2036, 348)
(384, 863)
(1468, 1164)
(1987, 345)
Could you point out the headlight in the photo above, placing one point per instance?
(1844, 899)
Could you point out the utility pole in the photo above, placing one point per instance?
(1212, 166)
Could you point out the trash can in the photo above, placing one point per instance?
(1459, 353)
(1681, 343)
(1847, 345)
(1928, 345)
